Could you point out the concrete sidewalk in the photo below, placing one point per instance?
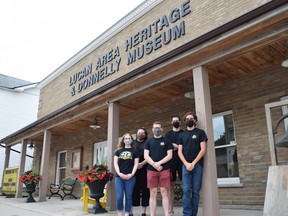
(71, 207)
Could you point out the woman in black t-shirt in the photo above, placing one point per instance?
(126, 161)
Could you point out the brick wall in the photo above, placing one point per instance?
(245, 96)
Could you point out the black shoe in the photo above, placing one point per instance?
(143, 214)
(130, 214)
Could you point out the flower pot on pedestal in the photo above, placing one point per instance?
(30, 188)
(96, 192)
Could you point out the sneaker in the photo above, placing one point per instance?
(171, 213)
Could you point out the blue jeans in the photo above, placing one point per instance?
(124, 187)
(191, 185)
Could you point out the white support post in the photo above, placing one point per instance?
(210, 199)
(112, 140)
(44, 170)
(21, 168)
(6, 162)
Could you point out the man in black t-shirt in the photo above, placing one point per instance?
(192, 147)
(176, 163)
(158, 153)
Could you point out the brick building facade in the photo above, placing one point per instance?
(228, 53)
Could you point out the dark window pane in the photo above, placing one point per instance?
(227, 162)
(62, 162)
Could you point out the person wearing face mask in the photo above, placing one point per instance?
(126, 161)
(176, 163)
(141, 192)
(158, 153)
(192, 147)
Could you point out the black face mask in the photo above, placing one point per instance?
(189, 123)
(176, 124)
(141, 137)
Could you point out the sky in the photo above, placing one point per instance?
(38, 36)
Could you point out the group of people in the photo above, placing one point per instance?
(144, 164)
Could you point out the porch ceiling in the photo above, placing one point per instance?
(262, 58)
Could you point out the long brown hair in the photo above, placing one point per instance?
(121, 143)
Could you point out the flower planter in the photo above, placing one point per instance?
(96, 192)
(30, 188)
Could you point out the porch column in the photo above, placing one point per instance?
(44, 170)
(112, 141)
(6, 162)
(7, 156)
(21, 168)
(210, 200)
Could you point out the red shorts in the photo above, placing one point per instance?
(155, 179)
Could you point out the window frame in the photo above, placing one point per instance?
(284, 112)
(233, 181)
(78, 154)
(58, 168)
(101, 146)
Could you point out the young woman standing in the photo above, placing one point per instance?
(126, 161)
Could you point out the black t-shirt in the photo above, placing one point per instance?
(158, 148)
(126, 157)
(173, 136)
(140, 149)
(190, 140)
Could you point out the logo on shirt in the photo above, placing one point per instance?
(126, 155)
(194, 136)
(162, 143)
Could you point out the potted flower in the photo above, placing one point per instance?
(96, 179)
(97, 173)
(30, 179)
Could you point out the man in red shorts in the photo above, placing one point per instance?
(158, 153)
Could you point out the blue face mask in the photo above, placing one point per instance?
(127, 141)
(157, 131)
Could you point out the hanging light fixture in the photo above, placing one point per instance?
(95, 124)
(31, 146)
(190, 93)
(285, 62)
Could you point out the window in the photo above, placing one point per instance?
(76, 159)
(61, 166)
(284, 112)
(225, 148)
(100, 153)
